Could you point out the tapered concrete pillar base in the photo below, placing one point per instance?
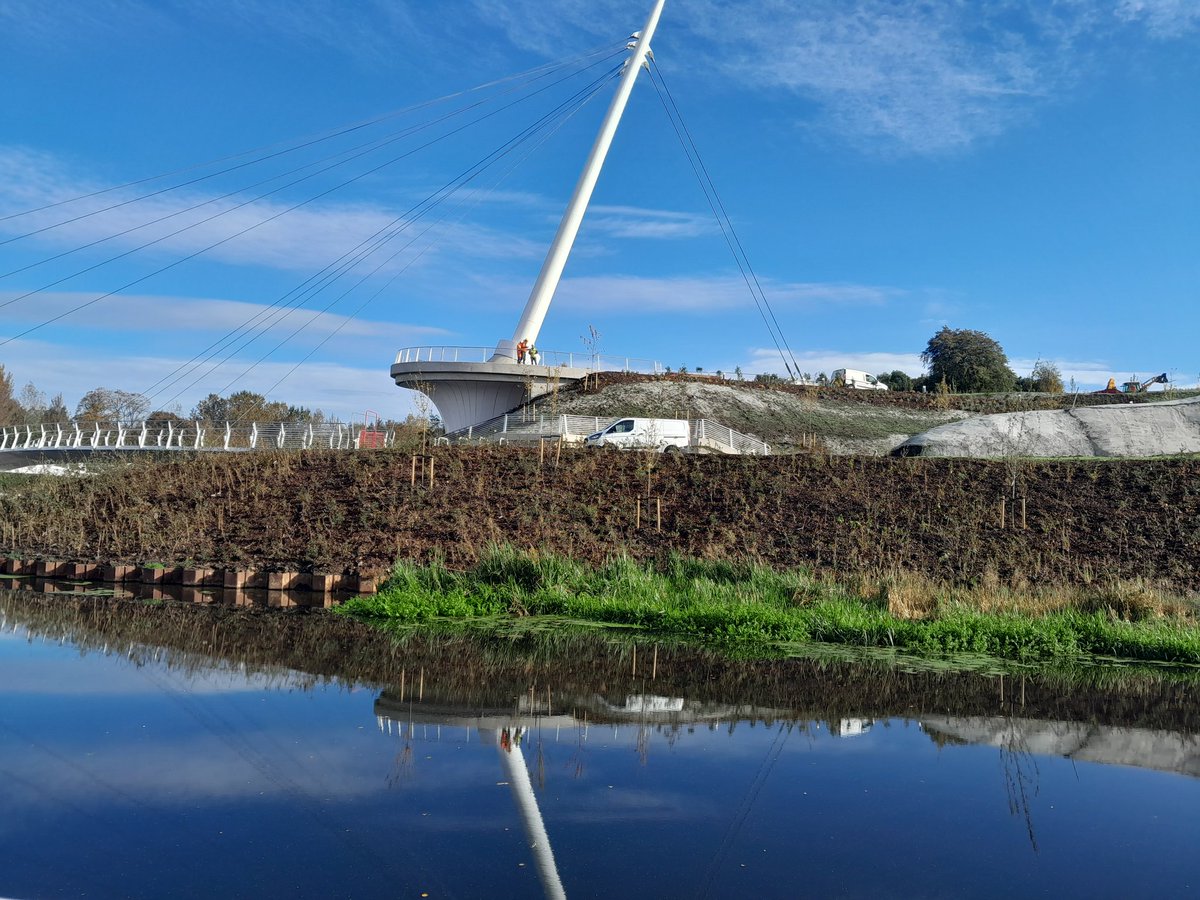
(468, 394)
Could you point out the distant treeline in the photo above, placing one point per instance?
(110, 406)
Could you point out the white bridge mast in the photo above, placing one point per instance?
(556, 258)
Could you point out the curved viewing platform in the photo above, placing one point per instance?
(470, 385)
(592, 362)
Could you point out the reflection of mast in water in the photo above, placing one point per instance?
(531, 814)
(1020, 773)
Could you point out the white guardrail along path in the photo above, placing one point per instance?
(195, 436)
(513, 427)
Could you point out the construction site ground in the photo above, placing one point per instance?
(952, 519)
(789, 417)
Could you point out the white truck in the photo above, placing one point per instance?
(643, 434)
(863, 381)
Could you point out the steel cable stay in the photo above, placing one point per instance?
(708, 187)
(476, 195)
(741, 250)
(406, 219)
(256, 225)
(353, 156)
(370, 245)
(774, 751)
(304, 142)
(721, 223)
(308, 803)
(367, 147)
(470, 201)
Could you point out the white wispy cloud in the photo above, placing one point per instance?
(642, 224)
(546, 28)
(1162, 18)
(198, 317)
(767, 360)
(626, 293)
(276, 233)
(339, 390)
(1087, 374)
(899, 76)
(1093, 374)
(919, 77)
(62, 26)
(369, 28)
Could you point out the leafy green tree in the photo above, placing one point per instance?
(896, 380)
(11, 412)
(968, 361)
(1046, 377)
(40, 411)
(106, 405)
(248, 406)
(57, 412)
(241, 406)
(160, 418)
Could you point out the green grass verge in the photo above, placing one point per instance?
(738, 603)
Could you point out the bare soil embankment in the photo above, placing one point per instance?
(842, 421)
(1084, 521)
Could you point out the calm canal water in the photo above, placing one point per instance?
(137, 771)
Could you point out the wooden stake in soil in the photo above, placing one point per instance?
(658, 513)
(635, 659)
(558, 452)
(1024, 525)
(413, 481)
(431, 472)
(637, 521)
(1003, 515)
(541, 452)
(654, 665)
(401, 685)
(421, 689)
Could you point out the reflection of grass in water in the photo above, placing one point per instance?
(744, 605)
(828, 682)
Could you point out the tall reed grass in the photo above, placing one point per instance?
(748, 602)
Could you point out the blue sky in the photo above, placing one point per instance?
(1024, 168)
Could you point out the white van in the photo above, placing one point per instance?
(643, 434)
(863, 381)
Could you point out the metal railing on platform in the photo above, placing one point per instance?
(195, 436)
(593, 362)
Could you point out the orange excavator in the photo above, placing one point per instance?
(1133, 387)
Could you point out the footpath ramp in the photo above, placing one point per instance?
(1167, 428)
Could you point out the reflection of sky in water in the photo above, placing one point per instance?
(146, 781)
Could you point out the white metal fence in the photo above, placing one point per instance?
(715, 436)
(195, 436)
(531, 426)
(513, 427)
(521, 426)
